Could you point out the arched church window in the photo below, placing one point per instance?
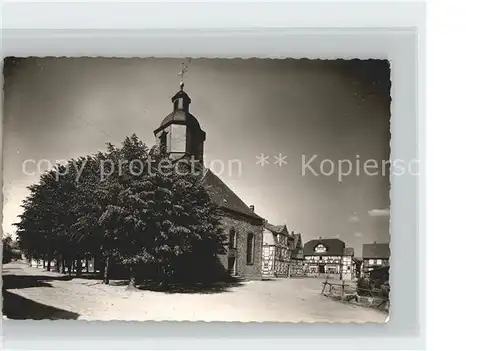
(232, 239)
(250, 248)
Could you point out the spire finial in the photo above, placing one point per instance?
(182, 73)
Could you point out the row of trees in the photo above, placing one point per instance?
(109, 206)
(10, 249)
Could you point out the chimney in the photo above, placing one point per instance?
(252, 208)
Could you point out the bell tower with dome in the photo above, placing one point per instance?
(179, 134)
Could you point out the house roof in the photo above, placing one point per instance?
(297, 251)
(334, 247)
(224, 197)
(349, 251)
(376, 250)
(296, 239)
(282, 230)
(278, 229)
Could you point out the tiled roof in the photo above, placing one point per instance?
(278, 229)
(281, 230)
(334, 247)
(296, 238)
(349, 251)
(376, 250)
(297, 251)
(224, 197)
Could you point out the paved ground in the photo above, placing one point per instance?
(35, 294)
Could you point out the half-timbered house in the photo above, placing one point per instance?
(375, 255)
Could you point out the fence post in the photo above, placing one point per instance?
(324, 285)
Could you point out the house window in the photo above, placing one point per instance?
(371, 261)
(232, 239)
(320, 248)
(379, 261)
(250, 248)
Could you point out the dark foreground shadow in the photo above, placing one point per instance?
(211, 288)
(17, 307)
(11, 281)
(118, 282)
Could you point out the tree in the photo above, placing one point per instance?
(157, 217)
(8, 250)
(123, 206)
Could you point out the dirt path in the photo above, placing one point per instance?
(51, 295)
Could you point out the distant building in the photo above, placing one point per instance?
(375, 255)
(323, 256)
(358, 266)
(281, 252)
(348, 266)
(297, 264)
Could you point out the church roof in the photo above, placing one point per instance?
(180, 116)
(224, 197)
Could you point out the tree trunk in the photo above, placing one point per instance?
(63, 266)
(58, 265)
(131, 283)
(48, 265)
(106, 271)
(79, 267)
(86, 264)
(43, 263)
(69, 263)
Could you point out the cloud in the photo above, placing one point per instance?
(358, 235)
(379, 212)
(354, 218)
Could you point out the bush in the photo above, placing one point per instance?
(364, 284)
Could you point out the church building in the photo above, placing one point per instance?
(180, 135)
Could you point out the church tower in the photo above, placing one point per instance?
(179, 134)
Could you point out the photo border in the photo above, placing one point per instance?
(271, 30)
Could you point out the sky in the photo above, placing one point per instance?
(317, 114)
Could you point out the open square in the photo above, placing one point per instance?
(46, 295)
